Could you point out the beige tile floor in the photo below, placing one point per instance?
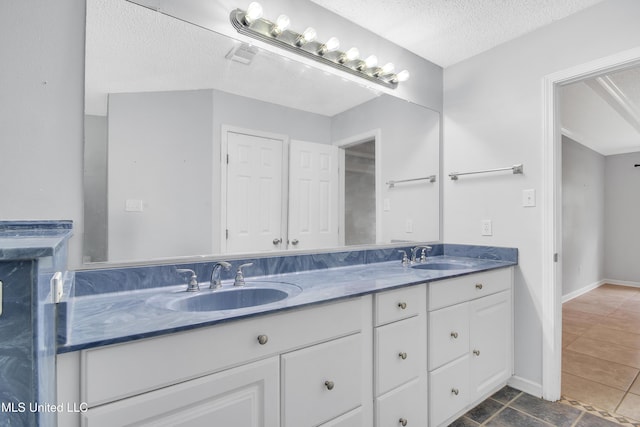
(601, 349)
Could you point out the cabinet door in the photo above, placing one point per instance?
(244, 396)
(448, 391)
(490, 349)
(323, 381)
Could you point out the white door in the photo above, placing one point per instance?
(254, 193)
(313, 195)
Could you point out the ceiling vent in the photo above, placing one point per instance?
(243, 53)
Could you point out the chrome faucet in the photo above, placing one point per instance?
(239, 281)
(423, 255)
(216, 282)
(193, 280)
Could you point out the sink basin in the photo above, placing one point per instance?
(228, 298)
(443, 265)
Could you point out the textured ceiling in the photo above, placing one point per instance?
(448, 31)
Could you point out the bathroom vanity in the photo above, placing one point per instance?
(379, 344)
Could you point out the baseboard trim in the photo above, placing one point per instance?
(621, 283)
(525, 385)
(581, 291)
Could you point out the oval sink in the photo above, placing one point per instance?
(229, 298)
(442, 266)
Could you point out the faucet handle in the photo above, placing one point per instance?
(405, 259)
(193, 280)
(239, 281)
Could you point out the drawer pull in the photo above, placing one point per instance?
(403, 422)
(262, 339)
(329, 385)
(402, 305)
(454, 335)
(402, 355)
(476, 352)
(478, 286)
(455, 391)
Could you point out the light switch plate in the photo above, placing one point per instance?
(487, 227)
(133, 205)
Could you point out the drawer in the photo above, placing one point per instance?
(322, 382)
(448, 334)
(398, 304)
(448, 391)
(401, 406)
(114, 372)
(354, 418)
(448, 292)
(397, 353)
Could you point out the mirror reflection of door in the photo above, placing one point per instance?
(313, 195)
(254, 193)
(360, 193)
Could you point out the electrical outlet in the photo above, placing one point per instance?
(386, 205)
(487, 228)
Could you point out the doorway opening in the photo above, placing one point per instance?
(360, 193)
(552, 212)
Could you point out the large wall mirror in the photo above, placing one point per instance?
(197, 144)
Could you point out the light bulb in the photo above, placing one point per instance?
(307, 36)
(254, 11)
(332, 44)
(350, 55)
(402, 76)
(387, 68)
(371, 61)
(282, 23)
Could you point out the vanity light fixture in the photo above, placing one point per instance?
(252, 24)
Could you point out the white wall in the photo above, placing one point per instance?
(41, 112)
(583, 213)
(622, 218)
(160, 153)
(493, 118)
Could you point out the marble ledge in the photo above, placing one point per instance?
(94, 320)
(32, 239)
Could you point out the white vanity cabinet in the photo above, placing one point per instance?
(470, 341)
(400, 342)
(267, 370)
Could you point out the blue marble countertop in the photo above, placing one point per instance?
(32, 239)
(108, 318)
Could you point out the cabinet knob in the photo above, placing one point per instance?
(329, 385)
(454, 335)
(277, 241)
(403, 422)
(476, 352)
(402, 355)
(402, 305)
(478, 285)
(262, 339)
(455, 391)
(295, 242)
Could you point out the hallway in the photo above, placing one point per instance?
(601, 350)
